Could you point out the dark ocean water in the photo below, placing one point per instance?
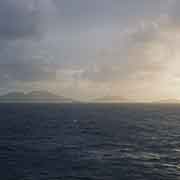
(89, 142)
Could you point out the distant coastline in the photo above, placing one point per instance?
(34, 97)
(48, 97)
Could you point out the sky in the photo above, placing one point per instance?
(86, 49)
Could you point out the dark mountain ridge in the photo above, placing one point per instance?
(34, 96)
(111, 99)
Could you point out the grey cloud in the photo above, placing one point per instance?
(135, 70)
(17, 19)
(175, 14)
(26, 72)
(22, 20)
(97, 13)
(101, 73)
(25, 18)
(144, 34)
(134, 60)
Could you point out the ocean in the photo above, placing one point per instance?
(89, 142)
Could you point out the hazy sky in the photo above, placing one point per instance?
(91, 48)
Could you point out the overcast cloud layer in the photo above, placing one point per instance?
(89, 48)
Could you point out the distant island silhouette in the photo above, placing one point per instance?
(48, 97)
(111, 99)
(120, 99)
(34, 97)
(169, 101)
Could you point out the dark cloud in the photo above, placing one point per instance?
(18, 19)
(20, 27)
